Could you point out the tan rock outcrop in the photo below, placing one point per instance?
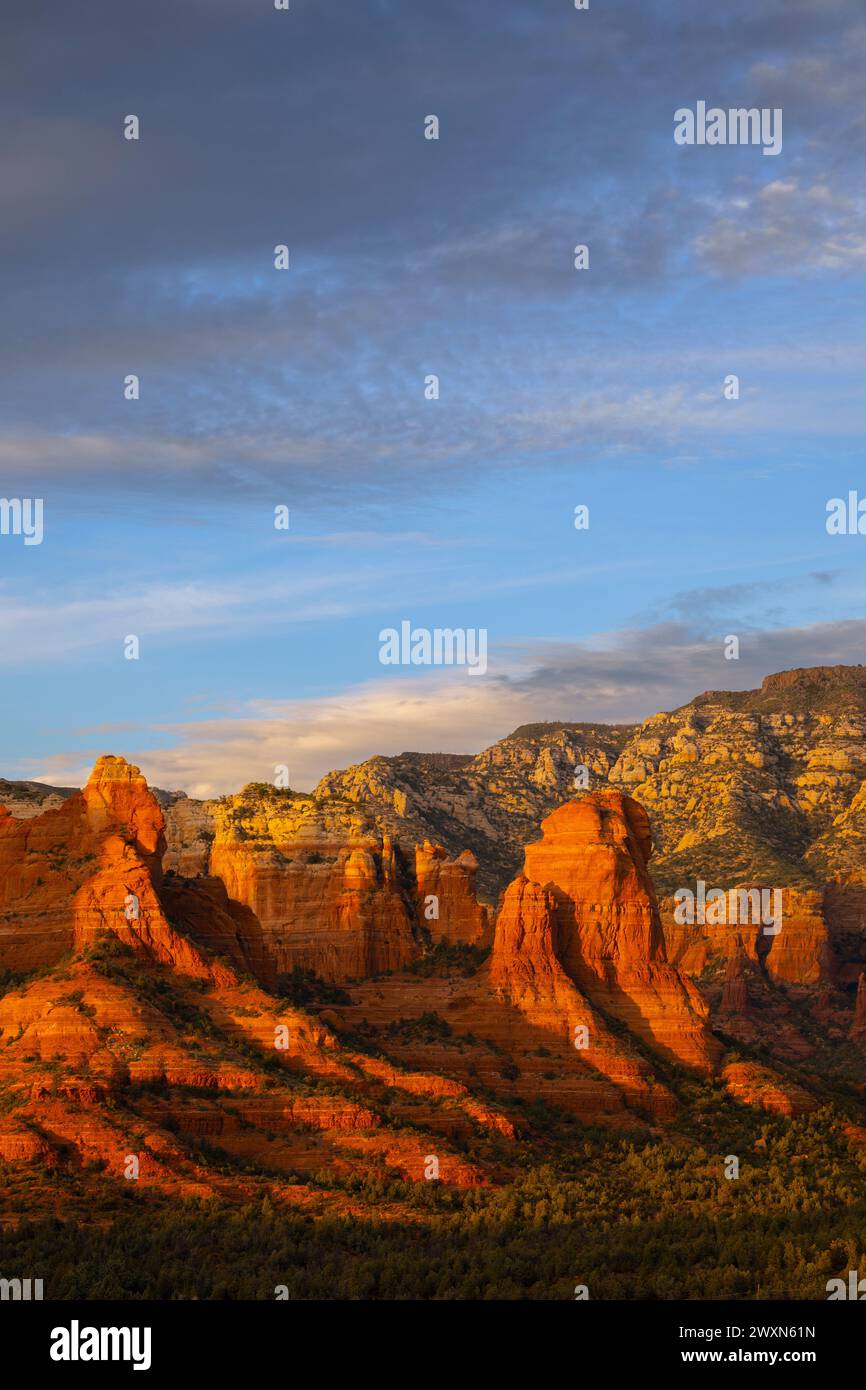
(799, 953)
(189, 832)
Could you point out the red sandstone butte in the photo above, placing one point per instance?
(446, 902)
(333, 907)
(94, 864)
(579, 930)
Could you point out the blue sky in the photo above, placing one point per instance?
(306, 387)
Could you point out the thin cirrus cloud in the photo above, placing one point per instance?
(315, 462)
(410, 258)
(38, 633)
(37, 630)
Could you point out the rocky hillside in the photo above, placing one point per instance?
(492, 803)
(761, 785)
(23, 799)
(134, 1025)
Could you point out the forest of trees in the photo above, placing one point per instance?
(629, 1218)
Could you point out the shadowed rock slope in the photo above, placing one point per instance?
(128, 1048)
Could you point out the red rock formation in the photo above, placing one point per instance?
(735, 991)
(335, 908)
(91, 865)
(118, 801)
(526, 970)
(46, 861)
(338, 904)
(289, 885)
(202, 910)
(106, 1040)
(446, 902)
(764, 1088)
(798, 954)
(858, 1026)
(582, 923)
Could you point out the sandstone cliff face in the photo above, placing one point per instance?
(323, 889)
(202, 910)
(735, 993)
(328, 895)
(580, 930)
(35, 918)
(92, 865)
(189, 833)
(46, 862)
(800, 953)
(525, 970)
(268, 880)
(445, 896)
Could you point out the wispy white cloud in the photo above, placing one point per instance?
(40, 629)
(787, 227)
